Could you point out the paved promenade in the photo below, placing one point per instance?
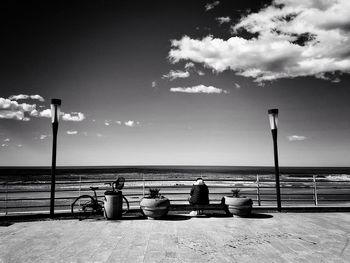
(273, 237)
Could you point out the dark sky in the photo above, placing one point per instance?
(111, 62)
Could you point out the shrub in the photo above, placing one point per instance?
(154, 193)
(236, 193)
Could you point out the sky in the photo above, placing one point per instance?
(175, 82)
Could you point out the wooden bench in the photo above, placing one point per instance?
(188, 207)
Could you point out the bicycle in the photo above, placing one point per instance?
(86, 205)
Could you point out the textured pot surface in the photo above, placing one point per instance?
(113, 205)
(240, 206)
(155, 207)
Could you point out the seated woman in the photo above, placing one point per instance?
(199, 195)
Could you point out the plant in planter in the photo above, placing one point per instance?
(154, 205)
(237, 204)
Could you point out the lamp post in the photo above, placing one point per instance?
(273, 117)
(55, 116)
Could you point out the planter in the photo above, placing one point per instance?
(113, 205)
(240, 206)
(155, 208)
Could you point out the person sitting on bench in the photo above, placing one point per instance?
(199, 195)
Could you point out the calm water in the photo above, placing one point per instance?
(25, 174)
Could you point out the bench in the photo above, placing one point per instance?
(188, 207)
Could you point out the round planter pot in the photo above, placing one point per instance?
(239, 206)
(155, 208)
(113, 205)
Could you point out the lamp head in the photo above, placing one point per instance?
(273, 117)
(55, 110)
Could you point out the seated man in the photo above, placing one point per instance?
(199, 195)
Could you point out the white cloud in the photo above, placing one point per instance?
(199, 89)
(37, 97)
(154, 84)
(175, 74)
(72, 132)
(200, 73)
(34, 113)
(118, 122)
(8, 104)
(73, 116)
(18, 97)
(11, 109)
(107, 123)
(210, 6)
(223, 19)
(27, 107)
(296, 138)
(24, 97)
(45, 113)
(19, 145)
(4, 145)
(43, 136)
(131, 123)
(290, 39)
(99, 135)
(237, 86)
(16, 115)
(189, 65)
(7, 140)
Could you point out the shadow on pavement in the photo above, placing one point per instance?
(174, 218)
(5, 223)
(258, 216)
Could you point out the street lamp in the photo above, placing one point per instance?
(273, 117)
(55, 116)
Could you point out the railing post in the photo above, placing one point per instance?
(79, 184)
(6, 196)
(258, 190)
(315, 189)
(143, 186)
(79, 187)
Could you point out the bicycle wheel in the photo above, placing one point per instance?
(100, 207)
(82, 207)
(127, 205)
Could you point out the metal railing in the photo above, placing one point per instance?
(308, 190)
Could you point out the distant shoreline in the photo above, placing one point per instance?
(172, 168)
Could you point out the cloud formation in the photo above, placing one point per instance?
(43, 136)
(287, 39)
(72, 132)
(189, 65)
(297, 138)
(73, 116)
(212, 5)
(131, 123)
(16, 115)
(11, 109)
(175, 74)
(223, 19)
(199, 89)
(24, 97)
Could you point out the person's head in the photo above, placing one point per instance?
(199, 181)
